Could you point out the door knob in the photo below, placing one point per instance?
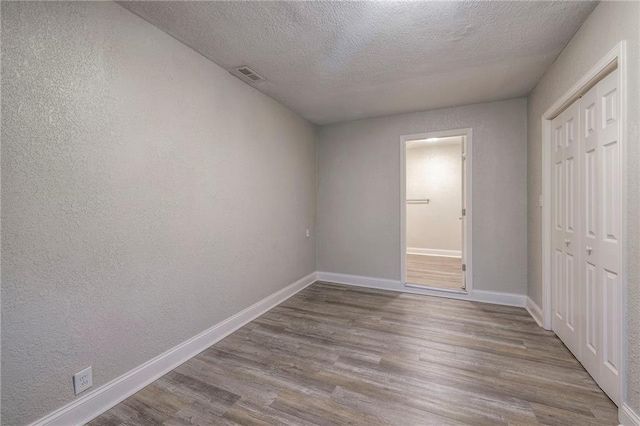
(567, 242)
(589, 249)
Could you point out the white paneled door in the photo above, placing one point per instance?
(587, 225)
(609, 259)
(566, 225)
(590, 296)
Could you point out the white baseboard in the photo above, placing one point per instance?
(628, 417)
(534, 310)
(434, 252)
(100, 400)
(509, 299)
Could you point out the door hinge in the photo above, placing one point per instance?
(464, 212)
(464, 267)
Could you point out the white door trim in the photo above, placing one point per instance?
(616, 58)
(467, 257)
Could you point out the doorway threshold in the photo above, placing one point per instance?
(443, 290)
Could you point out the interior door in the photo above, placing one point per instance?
(601, 300)
(566, 221)
(587, 232)
(609, 256)
(463, 214)
(590, 277)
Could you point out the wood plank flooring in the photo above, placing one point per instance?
(434, 271)
(334, 355)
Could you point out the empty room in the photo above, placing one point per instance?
(320, 213)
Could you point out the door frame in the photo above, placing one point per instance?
(467, 257)
(616, 58)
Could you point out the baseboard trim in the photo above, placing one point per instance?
(534, 310)
(434, 252)
(497, 298)
(628, 417)
(105, 397)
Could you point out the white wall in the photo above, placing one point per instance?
(147, 195)
(359, 192)
(609, 23)
(434, 171)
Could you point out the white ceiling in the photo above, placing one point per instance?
(339, 61)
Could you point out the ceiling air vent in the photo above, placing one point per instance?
(246, 73)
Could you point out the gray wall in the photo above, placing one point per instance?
(147, 195)
(609, 23)
(359, 192)
(434, 171)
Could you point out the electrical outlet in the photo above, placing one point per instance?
(82, 380)
(308, 233)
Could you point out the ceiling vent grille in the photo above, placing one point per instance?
(246, 73)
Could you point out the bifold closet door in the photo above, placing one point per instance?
(587, 232)
(566, 225)
(601, 259)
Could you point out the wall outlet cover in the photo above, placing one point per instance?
(82, 380)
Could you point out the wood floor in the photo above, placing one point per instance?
(434, 271)
(335, 355)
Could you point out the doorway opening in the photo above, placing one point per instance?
(436, 211)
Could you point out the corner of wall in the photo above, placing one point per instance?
(317, 189)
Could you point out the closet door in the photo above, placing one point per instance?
(601, 301)
(590, 309)
(609, 236)
(566, 225)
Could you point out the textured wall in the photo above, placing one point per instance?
(434, 171)
(609, 23)
(359, 192)
(147, 195)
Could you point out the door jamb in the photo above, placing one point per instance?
(468, 190)
(616, 58)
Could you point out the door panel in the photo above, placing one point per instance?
(590, 194)
(609, 235)
(566, 225)
(570, 211)
(610, 193)
(560, 289)
(570, 131)
(591, 334)
(558, 228)
(590, 309)
(559, 196)
(610, 355)
(571, 287)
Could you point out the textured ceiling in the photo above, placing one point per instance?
(339, 61)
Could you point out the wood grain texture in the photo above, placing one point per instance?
(434, 271)
(334, 355)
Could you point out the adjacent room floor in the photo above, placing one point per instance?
(434, 271)
(341, 355)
